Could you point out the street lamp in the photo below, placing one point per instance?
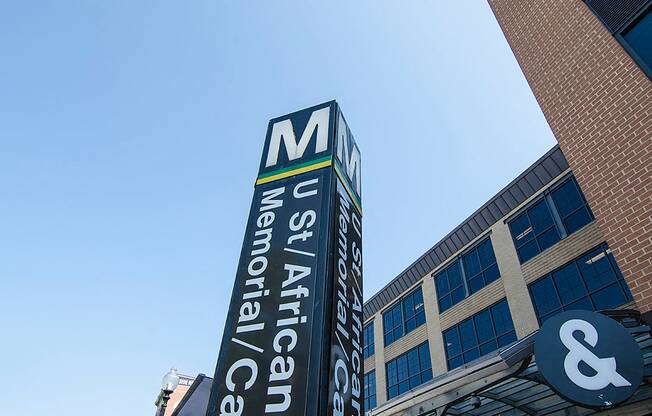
(168, 385)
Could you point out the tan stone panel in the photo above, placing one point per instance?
(370, 364)
(563, 252)
(485, 297)
(406, 343)
(516, 291)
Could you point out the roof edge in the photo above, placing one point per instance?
(368, 305)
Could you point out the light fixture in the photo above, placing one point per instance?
(170, 381)
(168, 385)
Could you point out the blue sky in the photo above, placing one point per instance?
(130, 136)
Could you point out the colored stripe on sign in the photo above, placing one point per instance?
(347, 186)
(294, 170)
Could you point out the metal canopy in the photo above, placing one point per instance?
(515, 388)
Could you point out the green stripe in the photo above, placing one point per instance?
(348, 187)
(302, 165)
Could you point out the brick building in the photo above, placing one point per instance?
(453, 333)
(589, 65)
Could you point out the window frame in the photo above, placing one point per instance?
(367, 397)
(459, 261)
(525, 212)
(478, 344)
(417, 314)
(482, 274)
(449, 293)
(368, 346)
(400, 304)
(618, 32)
(626, 27)
(620, 280)
(558, 223)
(420, 374)
(556, 210)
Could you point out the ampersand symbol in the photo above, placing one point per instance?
(605, 368)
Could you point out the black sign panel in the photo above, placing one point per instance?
(589, 359)
(278, 353)
(346, 361)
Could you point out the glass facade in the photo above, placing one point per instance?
(473, 271)
(404, 317)
(592, 282)
(638, 37)
(571, 206)
(369, 391)
(368, 338)
(450, 286)
(408, 371)
(478, 335)
(480, 266)
(557, 214)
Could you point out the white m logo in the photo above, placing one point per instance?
(350, 160)
(283, 131)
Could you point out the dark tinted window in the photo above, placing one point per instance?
(415, 315)
(450, 286)
(477, 267)
(559, 212)
(481, 334)
(592, 282)
(369, 345)
(639, 38)
(480, 266)
(408, 371)
(369, 391)
(631, 22)
(571, 206)
(534, 230)
(404, 317)
(393, 324)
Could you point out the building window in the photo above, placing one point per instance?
(592, 282)
(415, 315)
(393, 324)
(369, 345)
(450, 286)
(480, 266)
(534, 230)
(558, 213)
(408, 371)
(369, 391)
(630, 21)
(573, 210)
(404, 317)
(478, 335)
(476, 269)
(638, 38)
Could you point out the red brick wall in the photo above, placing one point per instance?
(599, 105)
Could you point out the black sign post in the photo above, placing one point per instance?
(588, 359)
(292, 342)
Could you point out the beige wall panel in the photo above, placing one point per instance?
(561, 253)
(435, 339)
(516, 291)
(406, 343)
(487, 296)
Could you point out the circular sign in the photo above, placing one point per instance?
(588, 359)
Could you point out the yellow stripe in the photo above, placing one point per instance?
(293, 172)
(348, 190)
